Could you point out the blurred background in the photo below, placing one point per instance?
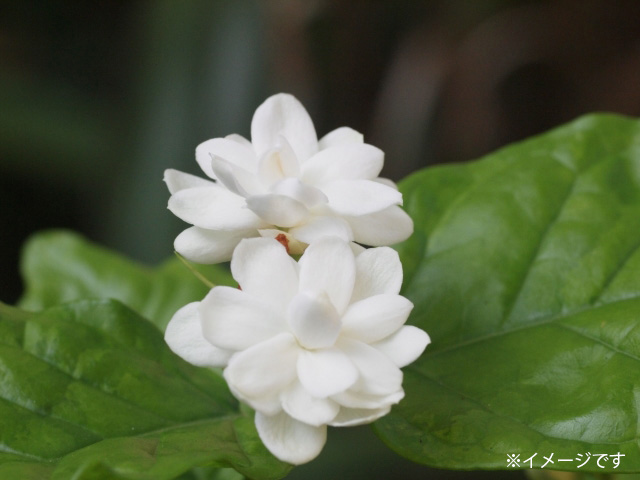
(98, 98)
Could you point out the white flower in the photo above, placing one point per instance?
(286, 184)
(309, 344)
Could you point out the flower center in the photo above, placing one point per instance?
(282, 238)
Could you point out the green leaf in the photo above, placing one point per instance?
(60, 266)
(89, 390)
(525, 270)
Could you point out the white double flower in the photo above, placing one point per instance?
(285, 182)
(306, 344)
(311, 343)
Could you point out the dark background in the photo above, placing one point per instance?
(98, 98)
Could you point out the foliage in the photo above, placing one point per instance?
(59, 266)
(524, 269)
(90, 390)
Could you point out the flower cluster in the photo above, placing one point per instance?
(285, 182)
(310, 343)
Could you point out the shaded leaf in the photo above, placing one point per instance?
(60, 266)
(525, 270)
(89, 390)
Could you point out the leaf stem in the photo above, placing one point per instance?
(195, 272)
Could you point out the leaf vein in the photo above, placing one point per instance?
(511, 304)
(7, 449)
(476, 402)
(608, 345)
(509, 417)
(542, 322)
(43, 413)
(614, 274)
(95, 387)
(134, 352)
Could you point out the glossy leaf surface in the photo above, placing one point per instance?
(525, 270)
(90, 390)
(60, 266)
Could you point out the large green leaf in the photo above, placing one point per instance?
(89, 390)
(525, 270)
(60, 266)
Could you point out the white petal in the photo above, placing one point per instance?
(231, 150)
(224, 173)
(378, 271)
(329, 265)
(184, 337)
(177, 180)
(375, 318)
(264, 270)
(359, 400)
(313, 320)
(360, 197)
(318, 227)
(290, 440)
(349, 162)
(213, 208)
(278, 163)
(350, 417)
(325, 372)
(278, 210)
(386, 227)
(284, 115)
(234, 137)
(268, 404)
(234, 320)
(378, 375)
(404, 346)
(386, 181)
(356, 248)
(298, 403)
(209, 246)
(340, 136)
(265, 369)
(294, 188)
(234, 178)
